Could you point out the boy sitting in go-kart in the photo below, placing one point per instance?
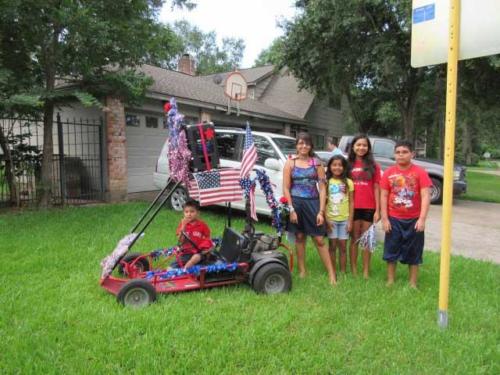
(194, 236)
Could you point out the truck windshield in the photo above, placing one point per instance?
(286, 146)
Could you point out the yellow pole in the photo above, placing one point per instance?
(451, 107)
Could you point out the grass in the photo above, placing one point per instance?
(482, 187)
(486, 164)
(55, 318)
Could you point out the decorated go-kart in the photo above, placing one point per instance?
(248, 257)
(253, 258)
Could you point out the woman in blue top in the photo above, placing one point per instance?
(304, 187)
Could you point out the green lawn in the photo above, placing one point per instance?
(482, 187)
(55, 318)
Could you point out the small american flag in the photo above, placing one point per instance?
(249, 153)
(216, 186)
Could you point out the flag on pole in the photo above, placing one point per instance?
(249, 153)
(216, 186)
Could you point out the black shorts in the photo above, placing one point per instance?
(365, 214)
(403, 243)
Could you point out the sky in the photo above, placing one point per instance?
(254, 21)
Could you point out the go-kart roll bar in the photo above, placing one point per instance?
(155, 212)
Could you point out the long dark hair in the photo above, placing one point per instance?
(368, 160)
(345, 166)
(307, 140)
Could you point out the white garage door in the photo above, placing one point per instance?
(143, 148)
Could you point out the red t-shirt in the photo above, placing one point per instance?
(199, 233)
(404, 187)
(364, 185)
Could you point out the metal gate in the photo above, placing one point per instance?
(78, 167)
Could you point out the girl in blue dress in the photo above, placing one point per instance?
(304, 187)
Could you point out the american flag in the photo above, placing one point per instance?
(216, 186)
(249, 153)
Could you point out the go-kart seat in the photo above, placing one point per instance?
(232, 245)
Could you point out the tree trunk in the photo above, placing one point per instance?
(9, 169)
(45, 188)
(466, 143)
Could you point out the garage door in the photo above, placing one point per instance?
(144, 144)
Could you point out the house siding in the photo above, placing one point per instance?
(325, 121)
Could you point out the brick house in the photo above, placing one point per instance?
(134, 135)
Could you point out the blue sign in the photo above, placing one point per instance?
(424, 13)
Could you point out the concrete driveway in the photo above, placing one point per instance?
(475, 230)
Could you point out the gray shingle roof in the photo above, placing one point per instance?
(283, 93)
(184, 86)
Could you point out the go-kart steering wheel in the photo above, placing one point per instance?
(184, 234)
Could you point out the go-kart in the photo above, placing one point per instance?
(248, 257)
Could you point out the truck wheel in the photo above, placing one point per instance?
(178, 198)
(436, 191)
(272, 278)
(137, 293)
(142, 264)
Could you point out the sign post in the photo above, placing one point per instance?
(473, 30)
(449, 156)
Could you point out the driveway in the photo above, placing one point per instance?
(475, 230)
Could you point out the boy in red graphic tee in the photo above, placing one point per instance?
(198, 242)
(404, 203)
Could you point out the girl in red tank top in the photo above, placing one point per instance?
(365, 174)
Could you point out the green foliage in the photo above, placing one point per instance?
(273, 55)
(360, 49)
(55, 318)
(203, 47)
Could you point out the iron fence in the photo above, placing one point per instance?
(77, 164)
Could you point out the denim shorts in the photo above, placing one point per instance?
(339, 230)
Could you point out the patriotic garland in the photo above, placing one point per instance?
(178, 151)
(195, 270)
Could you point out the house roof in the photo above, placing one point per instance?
(283, 92)
(201, 90)
(251, 75)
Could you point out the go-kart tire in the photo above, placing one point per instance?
(178, 198)
(272, 278)
(142, 264)
(136, 293)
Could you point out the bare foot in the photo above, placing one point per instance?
(302, 274)
(413, 286)
(333, 281)
(389, 283)
(366, 276)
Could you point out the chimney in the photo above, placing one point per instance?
(186, 65)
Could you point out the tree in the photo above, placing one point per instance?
(209, 56)
(273, 55)
(92, 47)
(360, 49)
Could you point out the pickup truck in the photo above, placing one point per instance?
(383, 150)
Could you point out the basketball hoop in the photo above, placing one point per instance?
(235, 89)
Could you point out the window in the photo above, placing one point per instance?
(152, 122)
(319, 141)
(384, 149)
(286, 146)
(227, 145)
(264, 150)
(132, 120)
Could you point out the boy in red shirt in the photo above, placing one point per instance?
(193, 252)
(404, 203)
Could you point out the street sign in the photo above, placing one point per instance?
(479, 30)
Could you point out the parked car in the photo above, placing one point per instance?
(383, 150)
(272, 152)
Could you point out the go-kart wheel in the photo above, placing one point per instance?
(137, 293)
(272, 278)
(142, 264)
